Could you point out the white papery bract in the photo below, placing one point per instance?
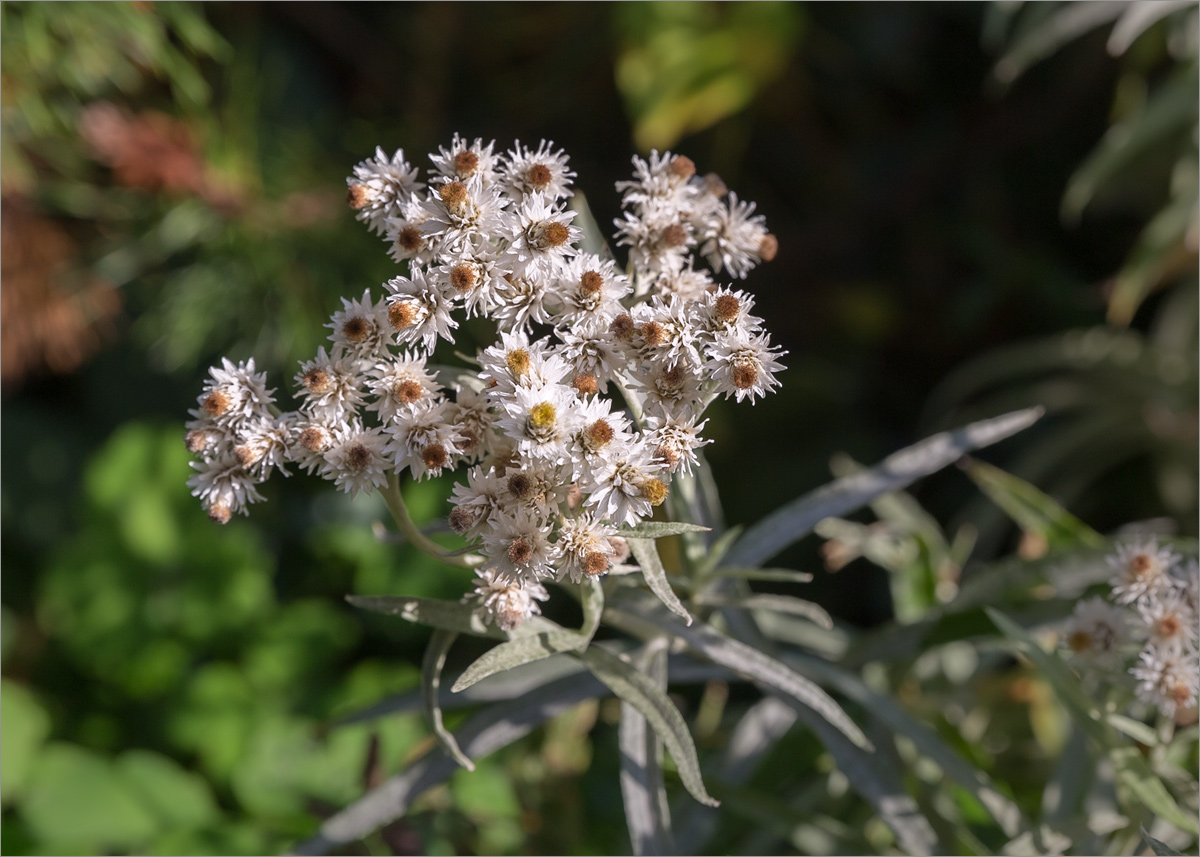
(1096, 631)
(1142, 569)
(581, 412)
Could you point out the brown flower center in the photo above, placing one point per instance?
(462, 277)
(358, 457)
(520, 551)
(356, 329)
(434, 456)
(217, 402)
(595, 563)
(539, 176)
(466, 163)
(401, 314)
(317, 380)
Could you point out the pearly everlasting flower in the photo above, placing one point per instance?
(417, 310)
(264, 446)
(380, 186)
(473, 421)
(745, 365)
(356, 460)
(234, 395)
(536, 487)
(398, 383)
(591, 350)
(665, 332)
(423, 439)
(1096, 631)
(464, 161)
(505, 603)
(1141, 569)
(406, 240)
(625, 487)
(476, 502)
(1167, 622)
(224, 488)
(540, 237)
(663, 182)
(330, 386)
(659, 242)
(1170, 681)
(735, 239)
(542, 171)
(518, 549)
(725, 311)
(585, 548)
(541, 420)
(590, 291)
(459, 214)
(360, 328)
(669, 390)
(312, 438)
(521, 301)
(675, 442)
(515, 362)
(473, 278)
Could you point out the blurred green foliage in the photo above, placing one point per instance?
(171, 688)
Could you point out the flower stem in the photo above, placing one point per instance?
(404, 523)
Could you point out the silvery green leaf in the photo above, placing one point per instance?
(1137, 19)
(522, 650)
(749, 662)
(431, 680)
(1067, 23)
(659, 529)
(776, 603)
(640, 691)
(437, 613)
(1134, 772)
(1135, 729)
(927, 741)
(778, 575)
(794, 520)
(643, 791)
(719, 548)
(1161, 849)
(646, 553)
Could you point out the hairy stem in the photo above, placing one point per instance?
(404, 523)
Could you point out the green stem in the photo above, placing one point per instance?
(404, 523)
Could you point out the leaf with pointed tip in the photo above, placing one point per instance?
(1030, 509)
(1161, 849)
(719, 548)
(431, 680)
(777, 603)
(435, 612)
(659, 529)
(522, 650)
(793, 521)
(646, 553)
(640, 691)
(647, 811)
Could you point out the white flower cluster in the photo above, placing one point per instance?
(1154, 605)
(554, 465)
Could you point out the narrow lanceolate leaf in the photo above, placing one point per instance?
(719, 548)
(793, 521)
(659, 529)
(1032, 510)
(751, 663)
(926, 740)
(431, 681)
(1161, 849)
(1131, 767)
(522, 650)
(447, 615)
(647, 812)
(776, 603)
(646, 553)
(776, 575)
(640, 691)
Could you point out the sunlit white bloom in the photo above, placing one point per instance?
(518, 547)
(463, 161)
(736, 239)
(506, 603)
(263, 446)
(1168, 680)
(662, 181)
(406, 241)
(521, 301)
(472, 278)
(659, 242)
(234, 395)
(745, 366)
(1096, 631)
(590, 290)
(360, 327)
(687, 283)
(726, 311)
(602, 435)
(380, 185)
(591, 350)
(472, 419)
(459, 214)
(1167, 621)
(584, 546)
(356, 461)
(475, 501)
(330, 387)
(541, 419)
(398, 383)
(311, 439)
(675, 441)
(423, 439)
(224, 488)
(665, 332)
(672, 390)
(626, 488)
(417, 310)
(542, 171)
(514, 361)
(537, 487)
(1141, 569)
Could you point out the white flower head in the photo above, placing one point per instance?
(263, 446)
(736, 239)
(665, 332)
(675, 442)
(380, 186)
(518, 548)
(224, 488)
(745, 365)
(687, 283)
(1096, 631)
(506, 603)
(459, 214)
(514, 362)
(585, 548)
(660, 241)
(591, 350)
(473, 279)
(356, 460)
(475, 502)
(464, 161)
(360, 328)
(669, 389)
(473, 421)
(423, 438)
(625, 488)
(234, 395)
(330, 386)
(417, 310)
(541, 237)
(406, 241)
(1168, 680)
(663, 181)
(541, 419)
(725, 311)
(543, 171)
(398, 383)
(537, 487)
(590, 290)
(1141, 569)
(312, 438)
(520, 301)
(1166, 620)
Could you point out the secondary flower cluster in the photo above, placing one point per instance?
(1154, 603)
(555, 465)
